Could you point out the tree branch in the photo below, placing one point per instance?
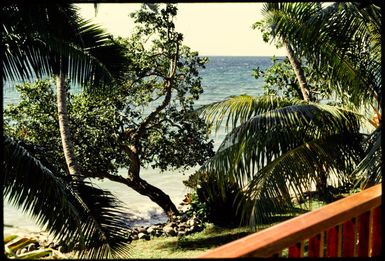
(167, 98)
(134, 168)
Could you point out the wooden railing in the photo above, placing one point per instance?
(345, 228)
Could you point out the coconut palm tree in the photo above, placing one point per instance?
(343, 43)
(52, 40)
(277, 148)
(40, 41)
(79, 215)
(296, 13)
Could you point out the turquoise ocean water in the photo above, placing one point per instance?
(223, 76)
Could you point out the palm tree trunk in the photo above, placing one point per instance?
(65, 134)
(299, 73)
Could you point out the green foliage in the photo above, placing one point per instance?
(276, 150)
(220, 202)
(34, 121)
(339, 42)
(162, 83)
(89, 217)
(174, 138)
(197, 206)
(238, 109)
(280, 80)
(37, 35)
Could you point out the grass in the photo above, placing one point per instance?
(192, 246)
(187, 246)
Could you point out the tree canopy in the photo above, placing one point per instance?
(278, 147)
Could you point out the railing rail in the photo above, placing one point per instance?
(347, 227)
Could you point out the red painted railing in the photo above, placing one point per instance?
(345, 228)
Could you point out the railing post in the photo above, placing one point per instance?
(314, 246)
(339, 242)
(295, 250)
(332, 242)
(349, 238)
(376, 232)
(363, 234)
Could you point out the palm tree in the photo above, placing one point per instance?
(76, 213)
(54, 40)
(296, 14)
(43, 40)
(278, 147)
(343, 43)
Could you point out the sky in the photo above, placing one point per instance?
(209, 28)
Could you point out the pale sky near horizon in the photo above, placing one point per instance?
(209, 28)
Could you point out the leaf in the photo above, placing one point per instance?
(88, 216)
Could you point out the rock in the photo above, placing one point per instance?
(152, 230)
(31, 247)
(183, 218)
(194, 229)
(135, 237)
(181, 233)
(181, 227)
(169, 231)
(142, 230)
(172, 224)
(144, 236)
(191, 222)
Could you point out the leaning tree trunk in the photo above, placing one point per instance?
(134, 181)
(65, 133)
(155, 194)
(299, 73)
(142, 187)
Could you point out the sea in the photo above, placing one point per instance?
(223, 76)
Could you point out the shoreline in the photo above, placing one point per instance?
(43, 244)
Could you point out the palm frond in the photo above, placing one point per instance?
(33, 45)
(105, 227)
(336, 41)
(293, 173)
(368, 171)
(240, 108)
(88, 216)
(264, 137)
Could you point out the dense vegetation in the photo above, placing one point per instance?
(287, 142)
(115, 127)
(316, 128)
(52, 40)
